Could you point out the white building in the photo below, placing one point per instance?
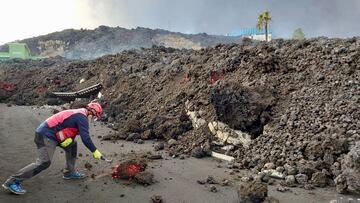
(252, 33)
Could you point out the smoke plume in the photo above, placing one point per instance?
(332, 18)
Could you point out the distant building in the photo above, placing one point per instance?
(18, 50)
(252, 33)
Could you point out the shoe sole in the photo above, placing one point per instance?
(17, 193)
(66, 178)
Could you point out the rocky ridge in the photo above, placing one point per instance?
(90, 44)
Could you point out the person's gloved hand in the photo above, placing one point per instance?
(97, 154)
(66, 142)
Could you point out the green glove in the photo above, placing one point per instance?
(66, 142)
(97, 154)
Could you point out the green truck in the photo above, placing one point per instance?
(19, 51)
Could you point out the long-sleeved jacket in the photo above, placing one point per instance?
(68, 123)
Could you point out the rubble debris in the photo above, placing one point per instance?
(281, 188)
(87, 92)
(302, 179)
(144, 178)
(132, 137)
(172, 142)
(222, 156)
(290, 181)
(201, 182)
(198, 152)
(274, 174)
(264, 177)
(213, 189)
(107, 137)
(154, 156)
(290, 170)
(271, 182)
(319, 179)
(308, 187)
(268, 166)
(252, 191)
(228, 147)
(228, 135)
(211, 180)
(280, 169)
(306, 167)
(159, 146)
(225, 182)
(194, 116)
(88, 166)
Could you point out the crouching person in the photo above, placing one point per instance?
(58, 130)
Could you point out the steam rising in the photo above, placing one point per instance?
(332, 18)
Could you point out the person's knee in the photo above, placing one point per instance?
(44, 165)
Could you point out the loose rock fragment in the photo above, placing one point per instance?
(213, 189)
(301, 179)
(201, 182)
(211, 180)
(159, 146)
(144, 178)
(154, 156)
(88, 166)
(252, 191)
(290, 180)
(156, 199)
(282, 188)
(319, 179)
(308, 187)
(198, 152)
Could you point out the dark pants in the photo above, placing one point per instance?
(46, 148)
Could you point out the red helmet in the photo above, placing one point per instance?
(95, 108)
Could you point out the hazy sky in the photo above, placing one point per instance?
(28, 18)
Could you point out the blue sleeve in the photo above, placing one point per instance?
(83, 125)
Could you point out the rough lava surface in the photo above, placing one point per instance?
(298, 100)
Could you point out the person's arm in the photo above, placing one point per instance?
(83, 126)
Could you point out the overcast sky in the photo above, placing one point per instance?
(28, 18)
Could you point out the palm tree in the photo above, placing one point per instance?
(263, 22)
